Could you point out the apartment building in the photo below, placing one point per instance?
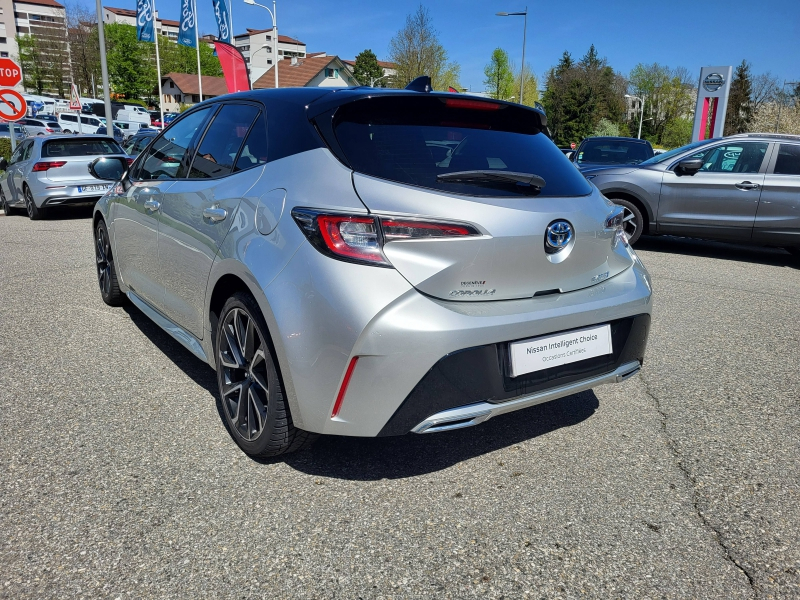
(256, 47)
(46, 19)
(165, 27)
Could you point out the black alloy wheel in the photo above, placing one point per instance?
(34, 212)
(106, 269)
(632, 219)
(249, 384)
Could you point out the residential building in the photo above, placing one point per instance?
(45, 19)
(183, 88)
(389, 70)
(256, 47)
(316, 71)
(165, 27)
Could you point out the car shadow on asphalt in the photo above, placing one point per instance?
(372, 459)
(760, 255)
(410, 455)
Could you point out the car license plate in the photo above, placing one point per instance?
(100, 187)
(549, 351)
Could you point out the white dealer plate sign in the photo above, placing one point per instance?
(554, 350)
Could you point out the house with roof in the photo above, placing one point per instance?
(165, 27)
(389, 70)
(256, 47)
(183, 88)
(317, 70)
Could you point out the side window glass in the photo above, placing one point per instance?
(26, 150)
(788, 162)
(167, 158)
(222, 141)
(255, 146)
(15, 158)
(735, 158)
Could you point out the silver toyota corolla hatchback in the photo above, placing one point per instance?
(373, 262)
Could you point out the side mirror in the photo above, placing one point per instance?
(109, 168)
(3, 163)
(690, 166)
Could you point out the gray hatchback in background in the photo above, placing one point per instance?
(46, 171)
(741, 188)
(40, 126)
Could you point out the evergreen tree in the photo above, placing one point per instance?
(367, 70)
(740, 108)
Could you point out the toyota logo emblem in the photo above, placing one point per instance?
(558, 235)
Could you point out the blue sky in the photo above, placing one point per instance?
(677, 33)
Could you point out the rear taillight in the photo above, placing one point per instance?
(48, 164)
(359, 238)
(47, 129)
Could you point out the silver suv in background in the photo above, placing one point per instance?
(372, 262)
(40, 126)
(54, 171)
(741, 188)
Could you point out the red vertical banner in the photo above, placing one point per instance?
(714, 104)
(704, 119)
(234, 68)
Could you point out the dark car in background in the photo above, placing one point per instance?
(602, 152)
(741, 188)
(136, 143)
(118, 135)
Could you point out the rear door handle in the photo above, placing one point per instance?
(215, 213)
(746, 185)
(152, 205)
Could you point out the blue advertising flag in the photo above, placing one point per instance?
(223, 20)
(145, 26)
(186, 36)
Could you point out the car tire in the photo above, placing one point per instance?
(4, 203)
(634, 222)
(34, 212)
(250, 389)
(106, 267)
(66, 131)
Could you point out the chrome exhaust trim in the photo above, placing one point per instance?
(473, 414)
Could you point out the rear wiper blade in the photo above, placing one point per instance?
(490, 176)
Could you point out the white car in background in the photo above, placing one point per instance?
(88, 124)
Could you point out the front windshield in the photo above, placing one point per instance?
(613, 152)
(659, 158)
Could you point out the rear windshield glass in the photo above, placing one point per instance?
(604, 152)
(80, 147)
(417, 140)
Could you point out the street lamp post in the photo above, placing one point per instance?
(781, 99)
(641, 116)
(524, 35)
(274, 14)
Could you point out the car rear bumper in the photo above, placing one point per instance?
(325, 315)
(53, 193)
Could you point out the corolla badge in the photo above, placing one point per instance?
(558, 235)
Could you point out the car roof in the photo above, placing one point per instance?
(771, 136)
(612, 138)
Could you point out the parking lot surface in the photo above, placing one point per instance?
(119, 479)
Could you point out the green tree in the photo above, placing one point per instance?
(367, 71)
(678, 132)
(668, 96)
(605, 127)
(42, 59)
(740, 108)
(416, 51)
(531, 91)
(499, 76)
(176, 58)
(131, 70)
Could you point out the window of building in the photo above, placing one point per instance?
(3, 40)
(195, 97)
(3, 54)
(332, 73)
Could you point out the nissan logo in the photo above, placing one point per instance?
(557, 236)
(713, 82)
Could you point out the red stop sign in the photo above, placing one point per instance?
(10, 73)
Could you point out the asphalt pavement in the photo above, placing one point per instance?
(119, 480)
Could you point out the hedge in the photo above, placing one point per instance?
(5, 148)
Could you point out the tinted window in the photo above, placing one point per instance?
(15, 157)
(71, 118)
(255, 147)
(27, 150)
(414, 140)
(788, 162)
(222, 141)
(739, 157)
(605, 152)
(165, 160)
(79, 147)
